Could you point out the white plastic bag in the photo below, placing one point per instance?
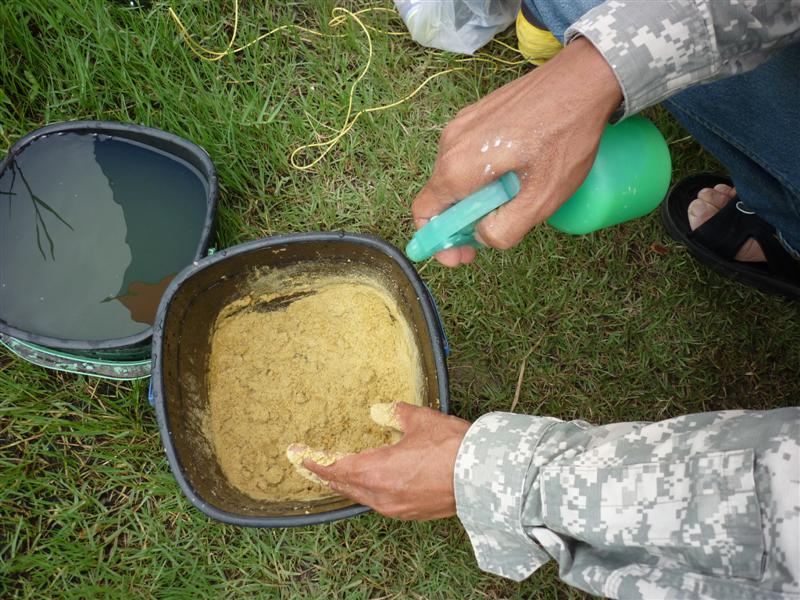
(456, 25)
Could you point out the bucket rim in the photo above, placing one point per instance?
(53, 360)
(432, 322)
(120, 129)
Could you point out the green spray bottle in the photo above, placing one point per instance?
(629, 178)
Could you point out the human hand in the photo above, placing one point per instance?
(412, 479)
(545, 126)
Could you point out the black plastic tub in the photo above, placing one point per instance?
(128, 347)
(181, 345)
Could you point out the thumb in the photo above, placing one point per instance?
(402, 416)
(385, 415)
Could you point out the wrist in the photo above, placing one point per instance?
(589, 78)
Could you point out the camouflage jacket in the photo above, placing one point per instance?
(660, 47)
(700, 506)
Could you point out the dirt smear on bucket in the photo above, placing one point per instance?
(301, 359)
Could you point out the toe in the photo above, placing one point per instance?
(700, 211)
(725, 189)
(750, 252)
(714, 197)
(708, 202)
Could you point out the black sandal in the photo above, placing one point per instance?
(717, 241)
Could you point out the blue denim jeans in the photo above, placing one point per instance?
(749, 122)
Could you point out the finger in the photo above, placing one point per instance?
(468, 254)
(458, 255)
(350, 491)
(355, 477)
(506, 226)
(452, 181)
(325, 473)
(346, 468)
(347, 476)
(298, 454)
(358, 494)
(458, 172)
(329, 477)
(450, 257)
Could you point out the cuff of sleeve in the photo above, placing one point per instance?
(491, 470)
(655, 49)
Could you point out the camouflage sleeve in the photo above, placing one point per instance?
(660, 47)
(705, 505)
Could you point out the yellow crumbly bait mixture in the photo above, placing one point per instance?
(304, 366)
(383, 414)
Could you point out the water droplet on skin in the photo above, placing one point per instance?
(485, 147)
(509, 144)
(487, 169)
(497, 142)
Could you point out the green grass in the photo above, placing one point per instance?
(619, 331)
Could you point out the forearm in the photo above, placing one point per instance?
(660, 47)
(688, 506)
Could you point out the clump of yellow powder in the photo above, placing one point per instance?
(304, 366)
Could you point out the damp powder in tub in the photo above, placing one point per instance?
(304, 365)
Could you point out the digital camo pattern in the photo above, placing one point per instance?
(658, 48)
(704, 505)
(491, 489)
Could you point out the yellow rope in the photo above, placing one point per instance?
(331, 142)
(335, 21)
(339, 16)
(483, 57)
(508, 46)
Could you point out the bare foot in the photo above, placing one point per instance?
(709, 201)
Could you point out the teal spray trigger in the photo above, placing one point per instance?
(629, 178)
(456, 225)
